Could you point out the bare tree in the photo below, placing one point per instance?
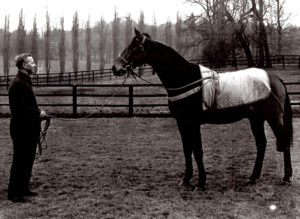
(212, 33)
(115, 34)
(154, 29)
(88, 36)
(178, 29)
(238, 15)
(219, 24)
(75, 43)
(62, 47)
(190, 38)
(21, 33)
(34, 41)
(102, 43)
(141, 22)
(6, 47)
(153, 33)
(263, 46)
(47, 36)
(141, 27)
(168, 33)
(281, 26)
(128, 29)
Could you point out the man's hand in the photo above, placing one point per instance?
(43, 115)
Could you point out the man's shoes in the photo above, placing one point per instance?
(29, 193)
(16, 198)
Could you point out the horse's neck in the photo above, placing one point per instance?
(172, 69)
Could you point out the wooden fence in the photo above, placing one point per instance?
(110, 100)
(82, 77)
(278, 60)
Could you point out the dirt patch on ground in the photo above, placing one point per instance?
(131, 167)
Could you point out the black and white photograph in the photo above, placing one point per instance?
(150, 109)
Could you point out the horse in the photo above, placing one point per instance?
(179, 76)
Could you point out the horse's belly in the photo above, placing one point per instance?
(225, 116)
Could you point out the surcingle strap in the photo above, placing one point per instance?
(185, 94)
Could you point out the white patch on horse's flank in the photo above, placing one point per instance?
(232, 89)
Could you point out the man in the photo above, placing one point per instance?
(24, 128)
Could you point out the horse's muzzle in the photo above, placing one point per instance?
(118, 72)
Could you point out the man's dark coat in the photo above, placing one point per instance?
(24, 131)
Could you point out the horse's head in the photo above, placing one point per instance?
(133, 56)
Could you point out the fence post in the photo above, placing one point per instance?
(74, 100)
(7, 82)
(283, 61)
(299, 62)
(130, 100)
(93, 76)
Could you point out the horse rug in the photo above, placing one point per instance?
(232, 89)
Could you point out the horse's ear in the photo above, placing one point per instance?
(147, 35)
(137, 33)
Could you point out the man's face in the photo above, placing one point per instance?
(30, 66)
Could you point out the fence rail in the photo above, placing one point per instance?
(82, 77)
(131, 100)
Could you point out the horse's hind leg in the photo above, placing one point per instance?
(288, 172)
(282, 146)
(257, 127)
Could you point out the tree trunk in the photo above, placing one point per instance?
(240, 34)
(279, 29)
(263, 47)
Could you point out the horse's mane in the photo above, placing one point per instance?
(172, 53)
(173, 63)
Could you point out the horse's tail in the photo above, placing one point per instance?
(287, 121)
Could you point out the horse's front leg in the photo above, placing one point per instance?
(187, 150)
(198, 154)
(191, 140)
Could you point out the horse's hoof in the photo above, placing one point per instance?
(184, 183)
(200, 187)
(250, 182)
(287, 180)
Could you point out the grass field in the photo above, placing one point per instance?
(131, 167)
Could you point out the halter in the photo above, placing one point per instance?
(128, 65)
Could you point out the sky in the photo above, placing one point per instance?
(162, 10)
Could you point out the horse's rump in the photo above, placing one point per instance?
(234, 89)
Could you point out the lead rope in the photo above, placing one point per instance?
(93, 113)
(43, 133)
(42, 139)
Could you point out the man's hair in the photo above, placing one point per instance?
(21, 58)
